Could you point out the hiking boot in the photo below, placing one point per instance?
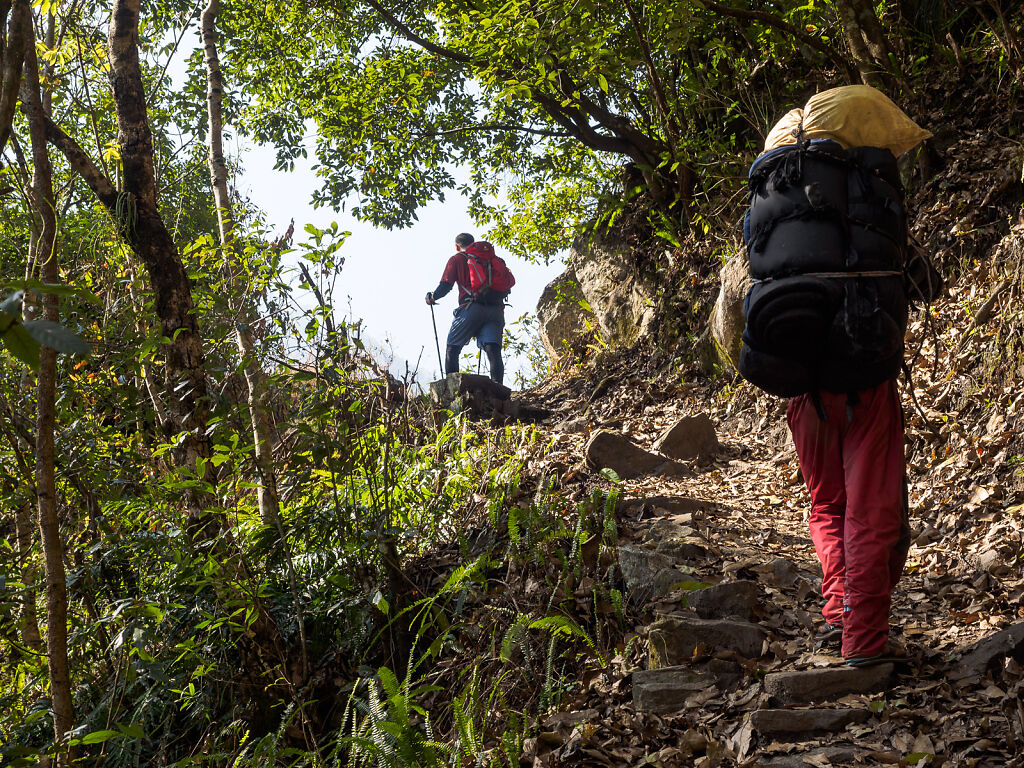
(891, 653)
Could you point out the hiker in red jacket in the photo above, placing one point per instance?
(480, 315)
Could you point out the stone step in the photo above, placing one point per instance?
(673, 639)
(806, 686)
(665, 690)
(733, 599)
(775, 722)
(815, 757)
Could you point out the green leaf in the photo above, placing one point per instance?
(603, 82)
(611, 474)
(20, 344)
(56, 336)
(98, 737)
(57, 289)
(878, 707)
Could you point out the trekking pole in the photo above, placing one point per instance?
(478, 353)
(437, 342)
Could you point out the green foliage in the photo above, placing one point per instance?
(23, 338)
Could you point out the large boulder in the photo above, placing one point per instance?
(727, 316)
(562, 313)
(600, 287)
(608, 278)
(616, 452)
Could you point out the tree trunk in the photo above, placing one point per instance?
(185, 384)
(29, 623)
(46, 493)
(254, 378)
(12, 58)
(135, 209)
(868, 43)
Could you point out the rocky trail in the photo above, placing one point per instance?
(714, 553)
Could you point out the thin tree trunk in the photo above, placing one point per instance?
(255, 381)
(868, 43)
(12, 58)
(29, 623)
(46, 492)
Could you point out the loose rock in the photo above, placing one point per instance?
(641, 568)
(682, 552)
(692, 437)
(734, 599)
(607, 449)
(977, 657)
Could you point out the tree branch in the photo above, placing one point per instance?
(83, 165)
(495, 127)
(439, 50)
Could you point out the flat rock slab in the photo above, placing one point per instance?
(616, 452)
(692, 437)
(810, 685)
(774, 722)
(650, 506)
(733, 599)
(976, 658)
(682, 551)
(666, 690)
(445, 391)
(670, 527)
(674, 639)
(816, 757)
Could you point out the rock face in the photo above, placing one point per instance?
(821, 684)
(692, 437)
(608, 449)
(562, 313)
(674, 639)
(601, 272)
(727, 316)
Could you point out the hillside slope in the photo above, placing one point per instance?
(740, 518)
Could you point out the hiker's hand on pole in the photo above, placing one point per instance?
(430, 299)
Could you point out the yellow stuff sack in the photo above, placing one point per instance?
(855, 116)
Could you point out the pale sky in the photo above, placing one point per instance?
(387, 274)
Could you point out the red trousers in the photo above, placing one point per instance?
(854, 467)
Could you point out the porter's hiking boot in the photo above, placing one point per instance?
(891, 653)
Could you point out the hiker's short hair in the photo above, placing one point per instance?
(464, 239)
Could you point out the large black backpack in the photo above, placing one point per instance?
(826, 234)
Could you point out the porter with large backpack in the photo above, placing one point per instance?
(826, 235)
